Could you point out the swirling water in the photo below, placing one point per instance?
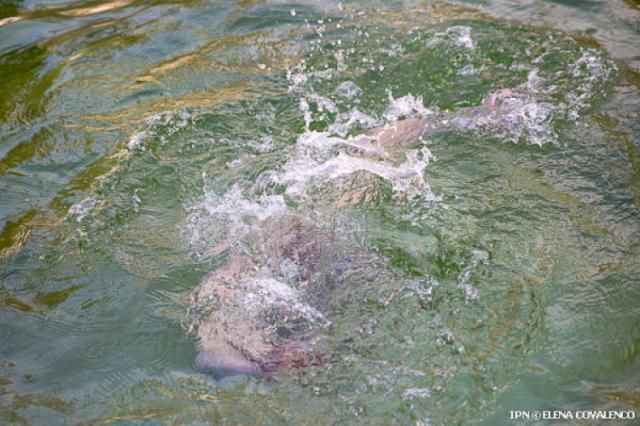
(136, 137)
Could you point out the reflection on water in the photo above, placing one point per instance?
(481, 177)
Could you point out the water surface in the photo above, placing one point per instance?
(135, 136)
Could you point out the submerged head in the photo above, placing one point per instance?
(229, 361)
(226, 362)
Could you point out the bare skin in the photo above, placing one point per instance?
(409, 130)
(253, 324)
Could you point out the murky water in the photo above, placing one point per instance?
(497, 254)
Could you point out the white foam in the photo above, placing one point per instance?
(82, 209)
(534, 81)
(508, 115)
(405, 106)
(266, 293)
(589, 70)
(424, 288)
(464, 282)
(468, 69)
(393, 50)
(413, 393)
(345, 121)
(462, 36)
(458, 36)
(348, 89)
(264, 145)
(328, 155)
(216, 217)
(322, 103)
(172, 121)
(297, 76)
(521, 117)
(314, 163)
(321, 157)
(136, 139)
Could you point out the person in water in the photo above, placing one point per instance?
(261, 310)
(264, 308)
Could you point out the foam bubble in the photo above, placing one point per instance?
(215, 217)
(82, 209)
(589, 71)
(348, 89)
(405, 106)
(517, 117)
(170, 122)
(529, 110)
(462, 36)
(136, 140)
(457, 35)
(266, 293)
(315, 162)
(346, 120)
(414, 393)
(322, 104)
(464, 281)
(265, 144)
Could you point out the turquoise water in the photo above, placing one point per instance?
(136, 137)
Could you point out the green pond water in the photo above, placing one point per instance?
(136, 136)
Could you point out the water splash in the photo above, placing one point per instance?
(214, 218)
(459, 36)
(316, 161)
(160, 125)
(464, 279)
(265, 295)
